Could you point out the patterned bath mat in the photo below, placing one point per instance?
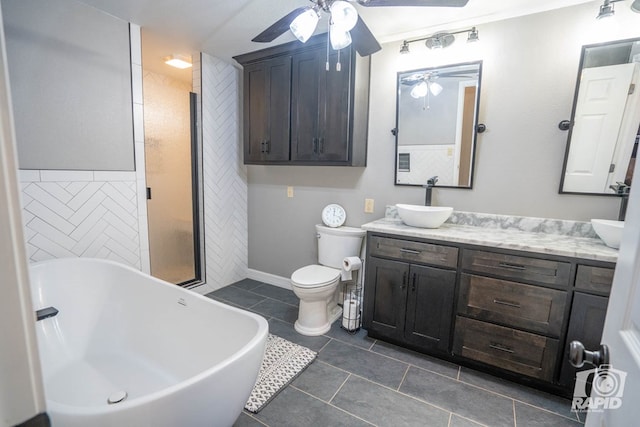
(283, 361)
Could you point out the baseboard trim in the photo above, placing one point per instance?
(202, 289)
(271, 279)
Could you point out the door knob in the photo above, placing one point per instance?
(578, 356)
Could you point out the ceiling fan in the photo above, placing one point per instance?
(345, 25)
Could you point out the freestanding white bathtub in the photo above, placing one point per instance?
(181, 359)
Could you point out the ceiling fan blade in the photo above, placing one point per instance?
(418, 3)
(363, 39)
(280, 27)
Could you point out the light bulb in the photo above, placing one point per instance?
(304, 25)
(420, 90)
(435, 88)
(339, 38)
(343, 15)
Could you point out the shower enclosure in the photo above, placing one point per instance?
(171, 174)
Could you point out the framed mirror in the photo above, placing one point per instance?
(436, 117)
(605, 121)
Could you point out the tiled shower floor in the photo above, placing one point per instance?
(360, 381)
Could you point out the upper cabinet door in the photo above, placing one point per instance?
(267, 91)
(305, 99)
(320, 106)
(335, 97)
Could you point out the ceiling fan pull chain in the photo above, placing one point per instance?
(338, 65)
(327, 66)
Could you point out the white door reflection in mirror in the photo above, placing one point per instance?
(599, 111)
(436, 124)
(602, 143)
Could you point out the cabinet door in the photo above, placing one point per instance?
(585, 325)
(305, 98)
(385, 297)
(334, 144)
(430, 307)
(320, 106)
(267, 95)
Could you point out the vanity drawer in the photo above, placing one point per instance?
(426, 253)
(513, 304)
(517, 267)
(597, 279)
(522, 352)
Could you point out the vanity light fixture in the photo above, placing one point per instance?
(405, 47)
(178, 61)
(607, 9)
(444, 39)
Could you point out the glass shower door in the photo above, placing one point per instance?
(169, 154)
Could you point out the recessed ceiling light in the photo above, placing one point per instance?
(178, 61)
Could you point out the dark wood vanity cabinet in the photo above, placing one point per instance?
(297, 110)
(588, 311)
(507, 316)
(410, 292)
(511, 311)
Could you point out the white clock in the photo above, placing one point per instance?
(333, 215)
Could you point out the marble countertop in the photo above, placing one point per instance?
(591, 248)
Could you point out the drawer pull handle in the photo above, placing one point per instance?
(409, 251)
(512, 266)
(501, 348)
(507, 303)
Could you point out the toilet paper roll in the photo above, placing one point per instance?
(351, 314)
(350, 264)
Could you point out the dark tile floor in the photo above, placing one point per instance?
(360, 381)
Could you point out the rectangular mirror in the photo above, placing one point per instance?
(605, 122)
(437, 114)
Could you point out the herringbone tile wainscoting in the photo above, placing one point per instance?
(81, 218)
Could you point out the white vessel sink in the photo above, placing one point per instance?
(609, 231)
(423, 216)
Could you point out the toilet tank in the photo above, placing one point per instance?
(335, 244)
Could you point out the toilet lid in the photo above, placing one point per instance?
(313, 276)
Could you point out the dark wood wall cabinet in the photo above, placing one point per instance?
(512, 313)
(302, 106)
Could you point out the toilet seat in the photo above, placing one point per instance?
(314, 276)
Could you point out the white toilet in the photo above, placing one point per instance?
(317, 285)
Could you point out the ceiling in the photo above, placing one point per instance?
(224, 28)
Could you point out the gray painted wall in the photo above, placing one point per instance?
(88, 123)
(529, 73)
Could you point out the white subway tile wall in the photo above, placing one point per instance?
(225, 176)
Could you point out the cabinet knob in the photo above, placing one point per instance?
(578, 355)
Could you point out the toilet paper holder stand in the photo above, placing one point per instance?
(351, 302)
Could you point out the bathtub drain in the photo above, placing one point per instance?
(117, 397)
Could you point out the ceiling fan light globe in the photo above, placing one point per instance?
(339, 38)
(343, 15)
(304, 25)
(420, 90)
(435, 88)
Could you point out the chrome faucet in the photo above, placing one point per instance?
(622, 190)
(431, 182)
